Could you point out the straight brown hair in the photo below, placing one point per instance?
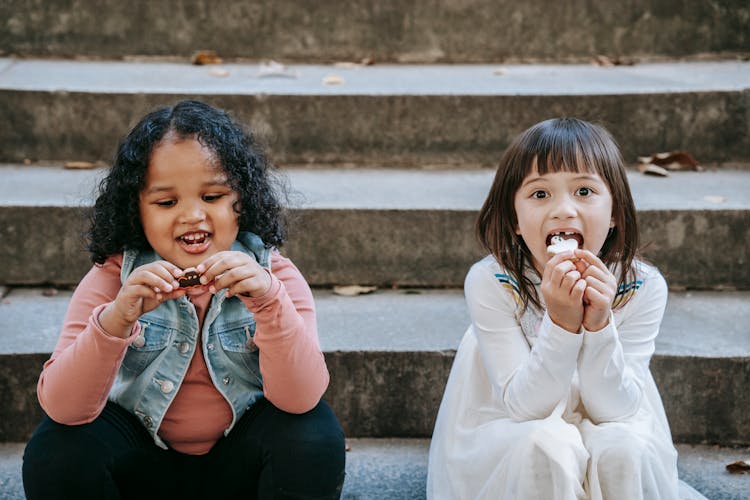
(557, 145)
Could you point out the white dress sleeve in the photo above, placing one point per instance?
(613, 366)
(530, 382)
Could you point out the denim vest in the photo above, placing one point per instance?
(156, 362)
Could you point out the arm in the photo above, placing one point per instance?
(75, 381)
(530, 381)
(614, 361)
(294, 372)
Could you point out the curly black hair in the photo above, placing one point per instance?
(115, 220)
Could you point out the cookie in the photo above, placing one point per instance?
(190, 279)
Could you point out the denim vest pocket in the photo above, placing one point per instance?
(239, 347)
(154, 339)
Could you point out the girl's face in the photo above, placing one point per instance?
(187, 205)
(576, 203)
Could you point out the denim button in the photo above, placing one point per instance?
(148, 421)
(167, 387)
(210, 347)
(226, 380)
(184, 347)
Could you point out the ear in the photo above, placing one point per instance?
(611, 222)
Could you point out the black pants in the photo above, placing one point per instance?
(268, 454)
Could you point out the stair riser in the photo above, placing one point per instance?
(385, 130)
(392, 394)
(477, 30)
(426, 248)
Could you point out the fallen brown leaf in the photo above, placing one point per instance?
(673, 160)
(333, 80)
(367, 61)
(499, 71)
(739, 467)
(81, 165)
(602, 60)
(49, 292)
(353, 290)
(651, 169)
(202, 57)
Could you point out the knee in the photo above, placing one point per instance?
(623, 455)
(309, 453)
(61, 460)
(552, 445)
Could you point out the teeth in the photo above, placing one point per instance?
(194, 237)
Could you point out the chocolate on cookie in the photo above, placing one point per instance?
(190, 279)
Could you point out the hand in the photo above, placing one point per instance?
(601, 287)
(563, 291)
(238, 272)
(145, 289)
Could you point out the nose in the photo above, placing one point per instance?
(192, 213)
(564, 208)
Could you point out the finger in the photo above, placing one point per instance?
(570, 279)
(597, 299)
(560, 271)
(554, 261)
(590, 258)
(157, 278)
(578, 291)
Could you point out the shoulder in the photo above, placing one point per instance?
(647, 283)
(487, 276)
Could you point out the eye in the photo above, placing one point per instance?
(584, 191)
(165, 203)
(539, 194)
(212, 197)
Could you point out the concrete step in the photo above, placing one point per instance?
(391, 30)
(390, 353)
(388, 469)
(384, 114)
(391, 227)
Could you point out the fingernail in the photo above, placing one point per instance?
(203, 280)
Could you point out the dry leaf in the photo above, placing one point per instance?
(218, 72)
(715, 198)
(499, 71)
(206, 57)
(268, 69)
(81, 165)
(49, 292)
(739, 467)
(333, 80)
(353, 290)
(651, 169)
(347, 446)
(26, 161)
(673, 160)
(367, 61)
(602, 60)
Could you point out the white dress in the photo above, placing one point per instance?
(532, 411)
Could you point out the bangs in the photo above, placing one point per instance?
(569, 145)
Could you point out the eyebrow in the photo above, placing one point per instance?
(580, 177)
(217, 181)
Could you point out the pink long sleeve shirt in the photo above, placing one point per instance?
(76, 380)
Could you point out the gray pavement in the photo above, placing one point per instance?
(388, 469)
(403, 189)
(402, 79)
(702, 324)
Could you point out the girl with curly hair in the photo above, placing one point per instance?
(189, 364)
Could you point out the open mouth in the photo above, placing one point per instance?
(196, 238)
(564, 235)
